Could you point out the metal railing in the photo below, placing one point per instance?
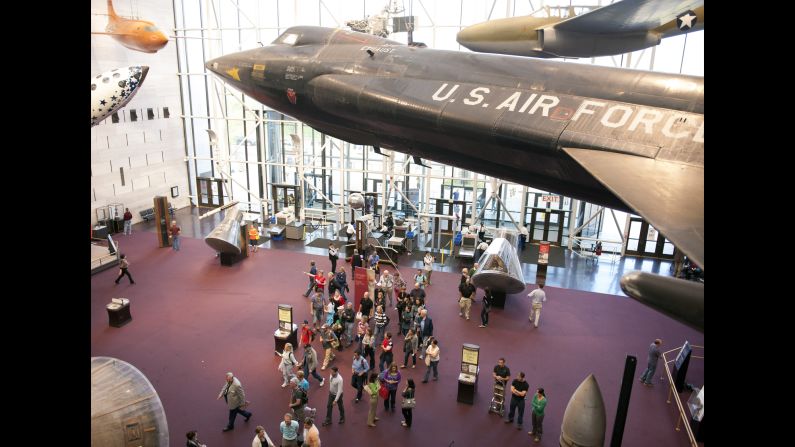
(672, 391)
(106, 261)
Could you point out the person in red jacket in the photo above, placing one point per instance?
(127, 221)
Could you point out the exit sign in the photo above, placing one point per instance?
(550, 198)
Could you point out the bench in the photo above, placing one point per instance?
(149, 213)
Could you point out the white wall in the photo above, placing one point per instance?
(151, 152)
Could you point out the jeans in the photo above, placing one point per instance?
(388, 293)
(349, 333)
(368, 351)
(432, 366)
(311, 287)
(317, 316)
(389, 402)
(386, 357)
(649, 373)
(517, 403)
(484, 316)
(358, 383)
(233, 415)
(314, 373)
(175, 243)
(330, 407)
(406, 358)
(333, 260)
(379, 335)
(128, 227)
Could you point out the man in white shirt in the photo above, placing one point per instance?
(537, 296)
(334, 396)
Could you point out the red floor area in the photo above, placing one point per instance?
(194, 319)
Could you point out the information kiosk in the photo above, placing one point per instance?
(287, 331)
(468, 378)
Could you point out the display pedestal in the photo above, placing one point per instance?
(118, 315)
(467, 385)
(499, 299)
(229, 258)
(281, 338)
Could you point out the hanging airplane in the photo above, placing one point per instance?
(621, 27)
(138, 35)
(627, 139)
(113, 89)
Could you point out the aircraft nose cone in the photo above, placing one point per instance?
(468, 36)
(160, 40)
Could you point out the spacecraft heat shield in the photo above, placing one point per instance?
(125, 408)
(225, 237)
(500, 269)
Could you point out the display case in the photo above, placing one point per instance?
(287, 331)
(468, 377)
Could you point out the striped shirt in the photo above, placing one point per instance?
(380, 319)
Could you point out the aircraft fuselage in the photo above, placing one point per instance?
(504, 116)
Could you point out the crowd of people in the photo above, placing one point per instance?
(390, 317)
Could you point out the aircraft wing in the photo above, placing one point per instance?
(669, 195)
(628, 16)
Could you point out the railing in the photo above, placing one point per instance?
(672, 391)
(105, 261)
(588, 252)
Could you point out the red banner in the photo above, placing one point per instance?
(359, 285)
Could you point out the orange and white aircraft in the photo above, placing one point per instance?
(138, 35)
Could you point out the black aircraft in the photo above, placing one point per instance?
(627, 139)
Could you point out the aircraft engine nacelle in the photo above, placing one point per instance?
(572, 44)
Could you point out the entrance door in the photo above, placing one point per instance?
(210, 191)
(547, 225)
(645, 241)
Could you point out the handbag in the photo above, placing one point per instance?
(335, 343)
(427, 360)
(408, 403)
(383, 392)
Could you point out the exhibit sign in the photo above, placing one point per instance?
(285, 317)
(543, 253)
(469, 363)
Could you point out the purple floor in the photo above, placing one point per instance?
(194, 320)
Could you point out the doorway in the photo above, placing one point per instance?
(210, 191)
(547, 225)
(645, 241)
